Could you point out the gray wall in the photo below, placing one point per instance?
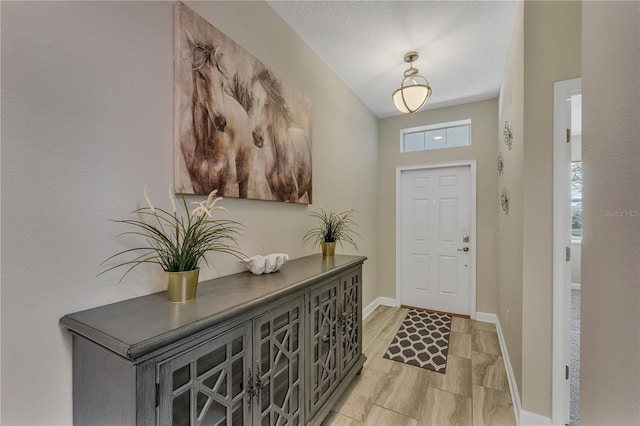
(87, 121)
(610, 340)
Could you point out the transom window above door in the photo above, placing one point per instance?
(436, 136)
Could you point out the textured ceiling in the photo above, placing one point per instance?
(462, 45)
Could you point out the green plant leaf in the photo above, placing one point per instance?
(177, 242)
(332, 227)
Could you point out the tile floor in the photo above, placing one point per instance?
(474, 391)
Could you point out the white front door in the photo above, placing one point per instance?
(434, 256)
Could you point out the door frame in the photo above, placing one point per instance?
(561, 307)
(472, 230)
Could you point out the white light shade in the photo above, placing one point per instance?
(415, 96)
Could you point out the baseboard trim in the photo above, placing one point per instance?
(486, 317)
(576, 286)
(523, 417)
(511, 377)
(527, 418)
(513, 387)
(386, 301)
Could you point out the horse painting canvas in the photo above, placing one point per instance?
(238, 127)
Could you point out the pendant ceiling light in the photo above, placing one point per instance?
(414, 89)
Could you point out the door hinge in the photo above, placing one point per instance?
(157, 394)
(567, 253)
(568, 135)
(566, 372)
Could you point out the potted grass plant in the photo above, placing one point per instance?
(332, 228)
(178, 241)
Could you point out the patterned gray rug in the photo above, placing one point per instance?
(422, 340)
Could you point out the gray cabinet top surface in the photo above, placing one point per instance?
(135, 327)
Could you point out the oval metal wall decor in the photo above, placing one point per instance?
(500, 165)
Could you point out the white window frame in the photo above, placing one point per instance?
(437, 126)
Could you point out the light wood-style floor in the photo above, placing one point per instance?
(474, 391)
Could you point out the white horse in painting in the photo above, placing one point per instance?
(288, 165)
(223, 152)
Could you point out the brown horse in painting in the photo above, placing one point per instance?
(288, 168)
(221, 156)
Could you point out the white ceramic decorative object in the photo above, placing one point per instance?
(266, 264)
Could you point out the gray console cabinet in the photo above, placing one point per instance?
(276, 349)
(205, 385)
(335, 338)
(238, 378)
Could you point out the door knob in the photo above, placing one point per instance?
(465, 249)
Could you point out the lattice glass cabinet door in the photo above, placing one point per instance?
(324, 345)
(208, 384)
(350, 320)
(278, 366)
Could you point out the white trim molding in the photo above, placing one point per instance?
(527, 418)
(386, 301)
(513, 386)
(485, 317)
(523, 417)
(561, 302)
(472, 232)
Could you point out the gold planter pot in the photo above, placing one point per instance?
(328, 249)
(182, 286)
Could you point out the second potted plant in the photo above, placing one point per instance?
(332, 228)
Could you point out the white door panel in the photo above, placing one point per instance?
(435, 216)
